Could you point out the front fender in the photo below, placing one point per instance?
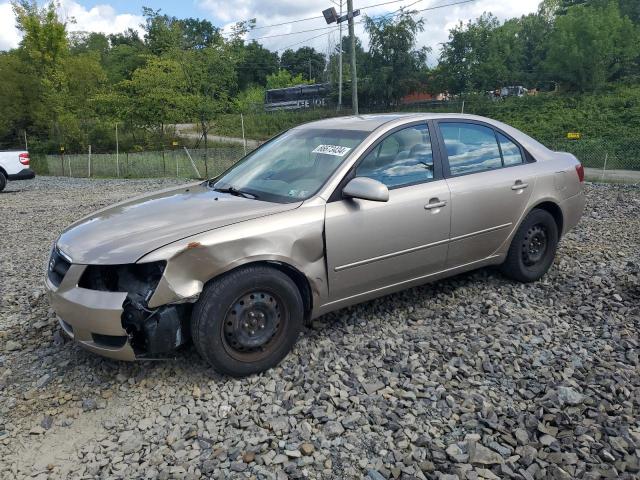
(294, 238)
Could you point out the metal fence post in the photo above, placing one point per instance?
(89, 165)
(604, 167)
(244, 140)
(193, 164)
(117, 154)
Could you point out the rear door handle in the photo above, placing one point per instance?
(519, 185)
(435, 203)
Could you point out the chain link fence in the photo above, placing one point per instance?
(180, 163)
(622, 154)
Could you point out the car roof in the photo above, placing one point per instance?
(365, 123)
(369, 123)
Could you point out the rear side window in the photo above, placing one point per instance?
(470, 148)
(511, 154)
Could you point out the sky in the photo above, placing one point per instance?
(111, 16)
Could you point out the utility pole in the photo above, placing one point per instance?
(309, 68)
(331, 16)
(340, 66)
(354, 75)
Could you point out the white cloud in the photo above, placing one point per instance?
(100, 18)
(9, 36)
(438, 22)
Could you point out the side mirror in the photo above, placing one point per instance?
(366, 189)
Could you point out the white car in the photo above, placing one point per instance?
(14, 165)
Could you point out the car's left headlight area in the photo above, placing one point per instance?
(105, 308)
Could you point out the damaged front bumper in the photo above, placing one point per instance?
(114, 324)
(91, 318)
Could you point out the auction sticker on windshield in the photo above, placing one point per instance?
(336, 150)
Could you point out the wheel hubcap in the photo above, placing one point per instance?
(252, 321)
(534, 246)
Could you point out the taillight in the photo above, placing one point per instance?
(580, 172)
(24, 158)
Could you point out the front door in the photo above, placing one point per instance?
(490, 183)
(373, 245)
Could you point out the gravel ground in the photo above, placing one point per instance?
(474, 377)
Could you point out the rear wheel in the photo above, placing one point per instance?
(3, 181)
(533, 248)
(247, 320)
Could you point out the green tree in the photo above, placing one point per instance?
(283, 79)
(156, 95)
(254, 63)
(165, 33)
(628, 8)
(43, 51)
(250, 99)
(395, 65)
(127, 53)
(591, 46)
(469, 61)
(18, 89)
(210, 83)
(305, 61)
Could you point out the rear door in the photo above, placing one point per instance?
(490, 182)
(373, 245)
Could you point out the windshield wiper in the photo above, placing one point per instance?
(234, 191)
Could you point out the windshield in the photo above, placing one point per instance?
(291, 167)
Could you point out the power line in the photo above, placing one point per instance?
(293, 33)
(445, 5)
(260, 27)
(329, 29)
(306, 40)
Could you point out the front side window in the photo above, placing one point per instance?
(291, 167)
(470, 148)
(403, 158)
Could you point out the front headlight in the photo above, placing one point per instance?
(139, 280)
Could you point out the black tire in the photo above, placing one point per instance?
(247, 321)
(533, 248)
(3, 181)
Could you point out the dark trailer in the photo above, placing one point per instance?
(296, 98)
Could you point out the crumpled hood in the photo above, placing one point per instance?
(125, 232)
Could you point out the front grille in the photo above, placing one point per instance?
(58, 267)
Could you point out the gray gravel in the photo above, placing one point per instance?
(474, 377)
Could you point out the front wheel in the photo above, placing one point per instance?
(533, 248)
(247, 320)
(3, 181)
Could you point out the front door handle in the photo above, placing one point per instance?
(435, 203)
(519, 185)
